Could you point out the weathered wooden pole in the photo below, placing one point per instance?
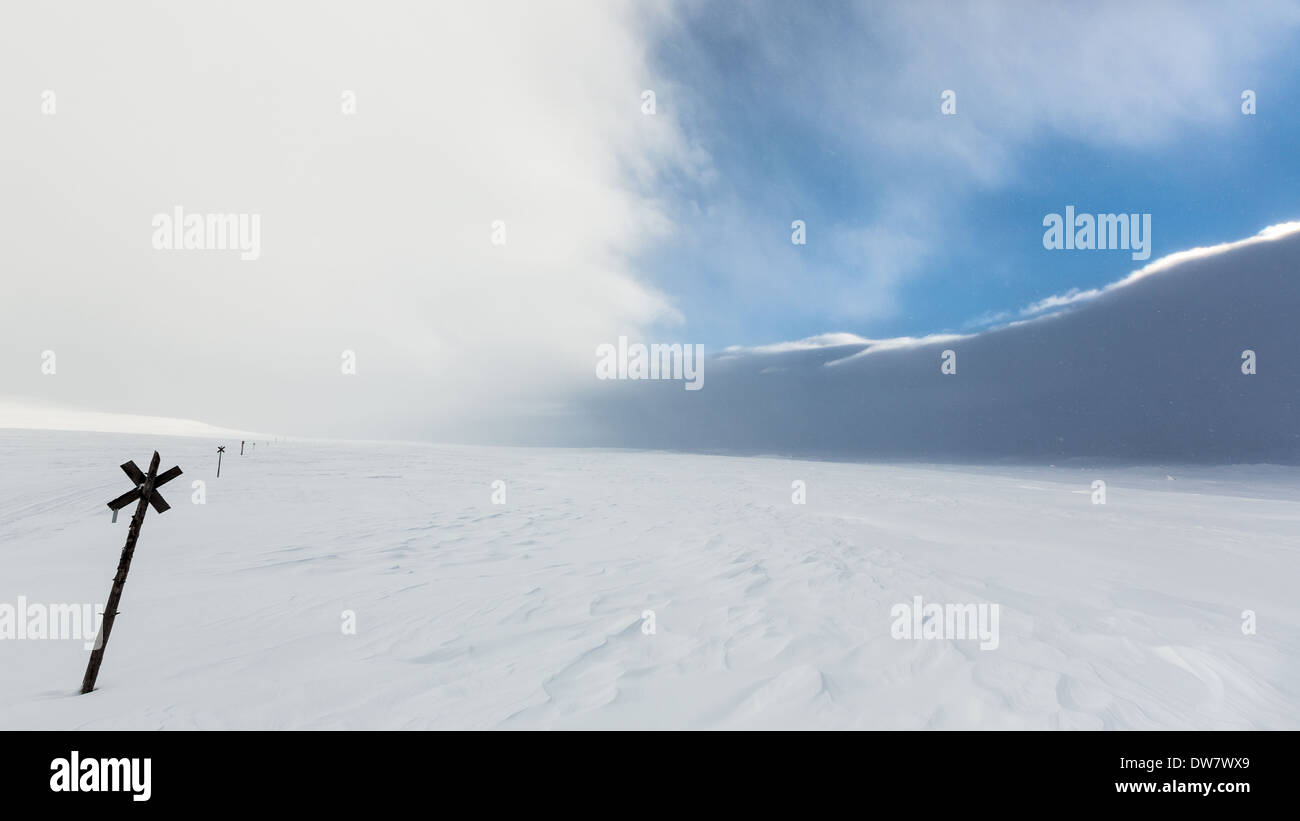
(241, 448)
(148, 495)
(220, 450)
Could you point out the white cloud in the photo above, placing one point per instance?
(375, 227)
(811, 343)
(1111, 73)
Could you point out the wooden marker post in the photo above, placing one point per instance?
(220, 450)
(146, 490)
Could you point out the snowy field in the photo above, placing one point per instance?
(529, 614)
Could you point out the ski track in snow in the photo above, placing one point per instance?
(529, 614)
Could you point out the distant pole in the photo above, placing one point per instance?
(220, 450)
(146, 491)
(241, 448)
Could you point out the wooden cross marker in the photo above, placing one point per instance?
(146, 492)
(220, 450)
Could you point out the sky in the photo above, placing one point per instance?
(378, 222)
(920, 222)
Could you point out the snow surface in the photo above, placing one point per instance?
(529, 614)
(36, 414)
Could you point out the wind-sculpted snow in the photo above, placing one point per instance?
(532, 613)
(1148, 370)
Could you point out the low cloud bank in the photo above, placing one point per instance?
(1148, 369)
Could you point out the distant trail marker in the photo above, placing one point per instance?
(220, 450)
(146, 491)
(241, 448)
